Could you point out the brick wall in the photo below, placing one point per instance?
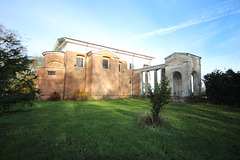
(92, 78)
(54, 59)
(75, 76)
(50, 83)
(103, 81)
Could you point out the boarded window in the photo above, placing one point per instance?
(51, 73)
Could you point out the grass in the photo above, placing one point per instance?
(108, 130)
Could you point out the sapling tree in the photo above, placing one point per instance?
(159, 96)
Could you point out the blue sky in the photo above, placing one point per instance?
(207, 28)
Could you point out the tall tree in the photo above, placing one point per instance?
(16, 79)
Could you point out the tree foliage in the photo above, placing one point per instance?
(16, 79)
(37, 61)
(223, 88)
(159, 96)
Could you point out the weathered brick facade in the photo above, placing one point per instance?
(61, 74)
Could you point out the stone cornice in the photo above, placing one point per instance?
(62, 41)
(53, 52)
(149, 68)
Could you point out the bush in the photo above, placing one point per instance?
(223, 88)
(54, 96)
(145, 119)
(106, 97)
(195, 99)
(81, 95)
(138, 96)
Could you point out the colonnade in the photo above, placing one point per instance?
(146, 71)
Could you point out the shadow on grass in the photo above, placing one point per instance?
(13, 112)
(108, 130)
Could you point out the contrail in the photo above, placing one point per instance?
(171, 29)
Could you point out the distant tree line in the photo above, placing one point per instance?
(223, 87)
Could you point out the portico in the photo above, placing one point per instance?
(183, 70)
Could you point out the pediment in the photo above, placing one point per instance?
(107, 53)
(180, 55)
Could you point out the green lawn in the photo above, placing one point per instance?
(108, 130)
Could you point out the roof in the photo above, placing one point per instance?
(62, 41)
(182, 54)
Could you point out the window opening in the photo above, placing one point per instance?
(194, 84)
(51, 73)
(192, 87)
(105, 63)
(80, 61)
(120, 67)
(130, 66)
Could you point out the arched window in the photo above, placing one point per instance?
(194, 83)
(192, 88)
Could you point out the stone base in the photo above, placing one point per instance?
(189, 99)
(178, 99)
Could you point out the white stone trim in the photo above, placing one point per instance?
(149, 68)
(53, 52)
(99, 47)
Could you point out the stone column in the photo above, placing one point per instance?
(141, 83)
(146, 83)
(163, 72)
(155, 77)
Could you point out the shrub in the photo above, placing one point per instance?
(145, 119)
(81, 95)
(106, 97)
(195, 99)
(54, 96)
(138, 96)
(223, 88)
(160, 96)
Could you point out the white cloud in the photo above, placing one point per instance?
(218, 11)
